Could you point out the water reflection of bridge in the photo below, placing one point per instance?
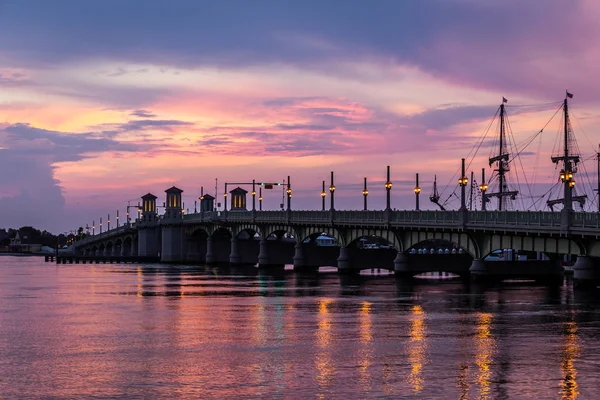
(377, 330)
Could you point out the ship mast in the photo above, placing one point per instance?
(569, 167)
(502, 166)
(435, 197)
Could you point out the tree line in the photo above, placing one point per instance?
(31, 235)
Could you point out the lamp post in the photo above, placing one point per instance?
(108, 223)
(225, 200)
(100, 224)
(323, 194)
(93, 227)
(201, 199)
(260, 198)
(388, 189)
(417, 192)
(483, 187)
(462, 181)
(332, 191)
(289, 194)
(365, 193)
(117, 218)
(253, 195)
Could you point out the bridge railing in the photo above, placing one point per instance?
(433, 217)
(586, 220)
(106, 234)
(526, 218)
(364, 217)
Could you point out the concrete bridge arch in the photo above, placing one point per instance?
(556, 245)
(337, 234)
(461, 239)
(352, 235)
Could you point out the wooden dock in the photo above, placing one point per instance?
(71, 259)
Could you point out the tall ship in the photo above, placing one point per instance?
(502, 188)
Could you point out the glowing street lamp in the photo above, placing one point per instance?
(323, 194)
(253, 195)
(483, 187)
(462, 181)
(388, 189)
(289, 194)
(365, 193)
(417, 192)
(332, 191)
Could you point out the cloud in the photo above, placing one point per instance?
(10, 79)
(26, 140)
(495, 45)
(142, 114)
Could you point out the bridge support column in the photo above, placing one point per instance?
(192, 253)
(300, 260)
(210, 251)
(343, 261)
(116, 251)
(107, 252)
(234, 256)
(122, 252)
(401, 266)
(586, 271)
(263, 253)
(478, 268)
(134, 250)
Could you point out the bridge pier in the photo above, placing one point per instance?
(171, 249)
(477, 268)
(263, 252)
(343, 262)
(149, 241)
(586, 271)
(210, 251)
(300, 260)
(402, 266)
(218, 250)
(194, 253)
(234, 255)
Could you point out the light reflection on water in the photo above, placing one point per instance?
(417, 348)
(123, 331)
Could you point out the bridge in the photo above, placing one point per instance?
(272, 239)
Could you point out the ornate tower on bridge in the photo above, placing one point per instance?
(148, 232)
(173, 207)
(149, 207)
(238, 199)
(207, 203)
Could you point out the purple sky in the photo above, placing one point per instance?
(104, 101)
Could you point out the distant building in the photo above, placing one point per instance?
(16, 246)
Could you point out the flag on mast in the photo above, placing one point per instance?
(504, 100)
(569, 95)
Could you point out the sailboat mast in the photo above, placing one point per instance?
(568, 204)
(471, 192)
(501, 161)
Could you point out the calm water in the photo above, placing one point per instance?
(127, 331)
